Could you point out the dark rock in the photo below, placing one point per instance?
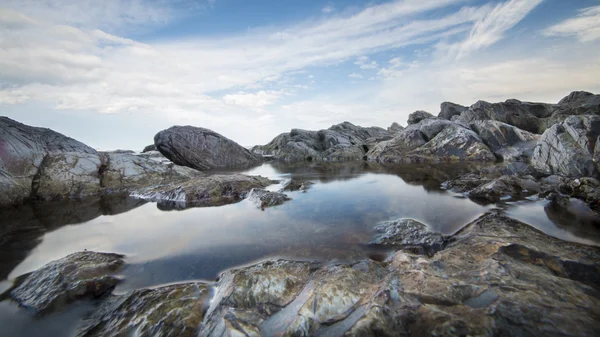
(297, 185)
(173, 310)
(262, 198)
(418, 116)
(505, 188)
(569, 148)
(202, 149)
(123, 151)
(449, 109)
(205, 191)
(149, 148)
(341, 142)
(79, 275)
(466, 182)
(408, 233)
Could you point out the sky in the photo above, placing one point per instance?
(113, 73)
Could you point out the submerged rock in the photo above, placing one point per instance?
(262, 198)
(202, 149)
(408, 233)
(205, 191)
(569, 148)
(76, 276)
(174, 310)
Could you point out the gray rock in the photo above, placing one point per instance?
(395, 127)
(149, 148)
(568, 148)
(449, 109)
(173, 310)
(340, 142)
(297, 185)
(22, 151)
(76, 276)
(418, 116)
(506, 141)
(204, 191)
(408, 232)
(202, 149)
(262, 198)
(505, 188)
(68, 175)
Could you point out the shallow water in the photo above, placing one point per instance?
(332, 220)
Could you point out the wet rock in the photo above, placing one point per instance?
(505, 188)
(149, 148)
(297, 185)
(202, 149)
(205, 191)
(341, 142)
(449, 110)
(506, 141)
(76, 276)
(68, 175)
(174, 310)
(408, 233)
(568, 148)
(586, 189)
(418, 116)
(262, 198)
(466, 182)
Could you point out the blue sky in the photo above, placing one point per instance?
(112, 73)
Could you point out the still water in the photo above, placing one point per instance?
(333, 220)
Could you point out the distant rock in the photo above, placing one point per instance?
(76, 276)
(449, 110)
(149, 148)
(418, 116)
(395, 127)
(534, 117)
(202, 149)
(570, 148)
(340, 142)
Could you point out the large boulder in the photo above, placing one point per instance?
(506, 141)
(202, 149)
(418, 116)
(570, 148)
(341, 142)
(76, 276)
(534, 117)
(449, 110)
(23, 149)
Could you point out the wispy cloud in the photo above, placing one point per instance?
(329, 8)
(585, 26)
(356, 76)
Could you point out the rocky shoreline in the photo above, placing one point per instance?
(495, 276)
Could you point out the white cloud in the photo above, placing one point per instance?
(364, 63)
(329, 8)
(356, 76)
(585, 26)
(257, 100)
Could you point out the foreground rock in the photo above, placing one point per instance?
(202, 149)
(570, 148)
(77, 276)
(205, 191)
(340, 142)
(174, 310)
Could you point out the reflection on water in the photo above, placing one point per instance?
(333, 220)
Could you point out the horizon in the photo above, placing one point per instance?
(112, 74)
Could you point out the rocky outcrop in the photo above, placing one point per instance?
(569, 148)
(432, 140)
(76, 276)
(202, 149)
(204, 191)
(534, 117)
(506, 141)
(340, 142)
(449, 110)
(418, 116)
(408, 234)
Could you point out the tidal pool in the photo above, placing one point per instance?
(333, 220)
